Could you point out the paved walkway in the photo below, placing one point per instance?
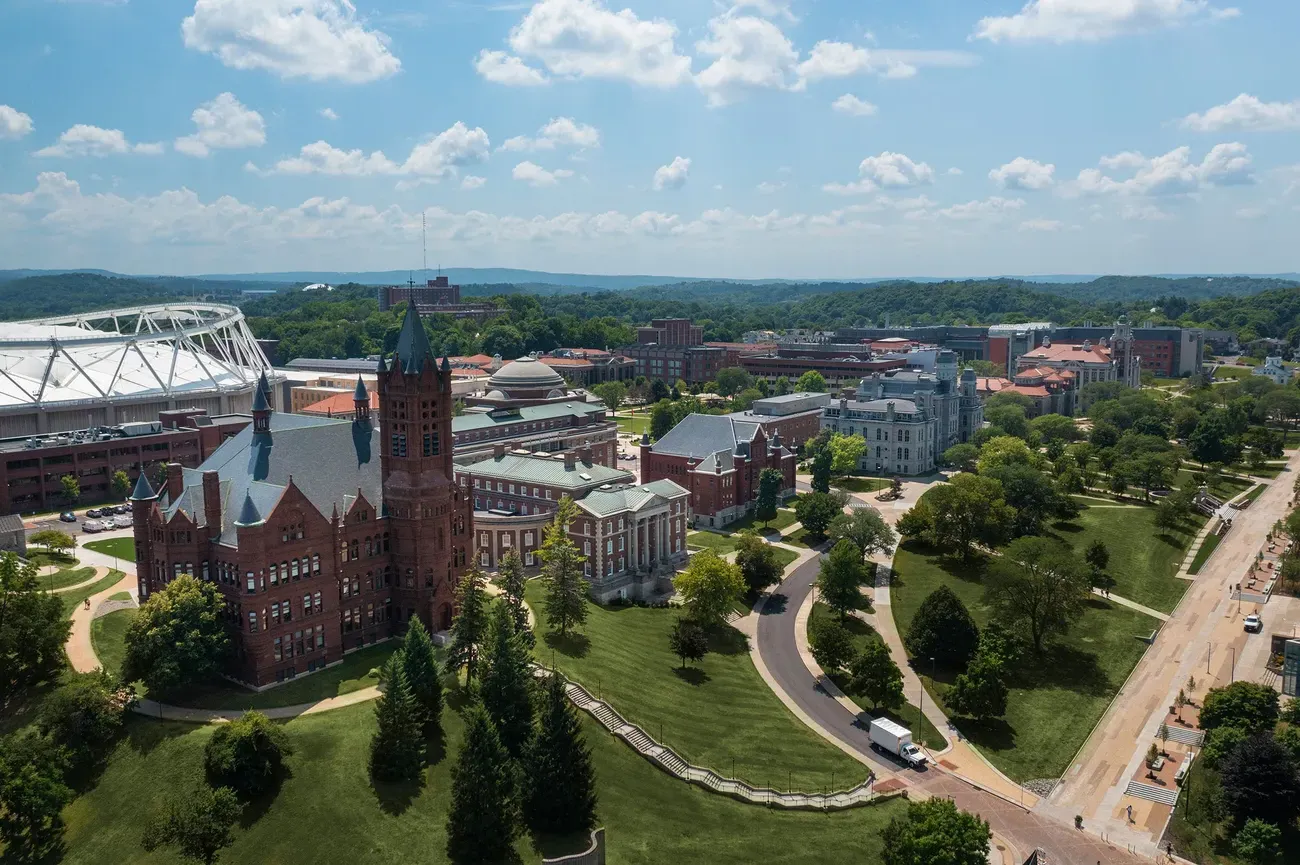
(81, 654)
(1204, 638)
(1132, 605)
(100, 573)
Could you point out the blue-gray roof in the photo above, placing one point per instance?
(329, 460)
(412, 343)
(629, 498)
(486, 420)
(702, 435)
(547, 470)
(143, 492)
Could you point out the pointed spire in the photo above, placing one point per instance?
(143, 492)
(446, 364)
(382, 367)
(361, 394)
(412, 343)
(248, 514)
(259, 400)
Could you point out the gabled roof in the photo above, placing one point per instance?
(601, 503)
(702, 435)
(473, 420)
(329, 459)
(546, 470)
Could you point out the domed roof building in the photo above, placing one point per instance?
(524, 382)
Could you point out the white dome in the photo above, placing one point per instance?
(526, 374)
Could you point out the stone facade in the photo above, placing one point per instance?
(322, 534)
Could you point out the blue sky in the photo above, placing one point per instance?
(815, 138)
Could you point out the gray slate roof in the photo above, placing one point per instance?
(702, 435)
(329, 459)
(544, 470)
(11, 523)
(484, 420)
(901, 406)
(600, 503)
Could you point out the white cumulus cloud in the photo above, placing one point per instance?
(673, 175)
(14, 124)
(1172, 173)
(748, 52)
(832, 59)
(223, 124)
(471, 181)
(1246, 112)
(329, 114)
(440, 156)
(559, 132)
(585, 39)
(1022, 173)
(1093, 20)
(537, 176)
(850, 104)
(84, 140)
(1042, 225)
(889, 170)
(315, 39)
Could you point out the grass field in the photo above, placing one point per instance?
(64, 578)
(1203, 553)
(861, 485)
(71, 600)
(1055, 700)
(720, 544)
(907, 714)
(1223, 487)
(328, 811)
(39, 557)
(1256, 492)
(784, 517)
(1143, 559)
(635, 425)
(352, 674)
(107, 635)
(712, 713)
(123, 548)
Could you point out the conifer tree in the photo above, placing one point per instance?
(423, 676)
(397, 749)
(484, 816)
(506, 685)
(566, 590)
(511, 572)
(562, 782)
(469, 627)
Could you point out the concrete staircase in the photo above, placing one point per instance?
(1153, 793)
(672, 763)
(1185, 735)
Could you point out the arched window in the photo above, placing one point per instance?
(293, 567)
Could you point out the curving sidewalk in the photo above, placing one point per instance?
(100, 573)
(81, 654)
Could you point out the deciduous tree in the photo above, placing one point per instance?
(1247, 705)
(757, 561)
(1037, 584)
(84, 715)
(709, 587)
(839, 583)
(71, 488)
(1258, 842)
(1258, 779)
(33, 629)
(981, 691)
(811, 381)
(831, 644)
(611, 393)
(846, 450)
(247, 755)
(816, 510)
(943, 629)
(197, 824)
(934, 832)
(969, 510)
(688, 641)
(876, 677)
(120, 484)
(32, 795)
(179, 636)
(865, 529)
(962, 456)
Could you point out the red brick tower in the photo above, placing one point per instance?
(430, 515)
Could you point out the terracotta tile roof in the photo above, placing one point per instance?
(339, 405)
(1066, 351)
(567, 361)
(991, 385)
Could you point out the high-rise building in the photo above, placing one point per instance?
(322, 534)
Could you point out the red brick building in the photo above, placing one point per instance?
(718, 459)
(323, 534)
(435, 297)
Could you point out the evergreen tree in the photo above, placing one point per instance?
(397, 749)
(423, 676)
(561, 794)
(510, 570)
(566, 590)
(507, 687)
(484, 816)
(470, 625)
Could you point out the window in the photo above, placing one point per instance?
(320, 637)
(275, 612)
(293, 566)
(609, 547)
(586, 548)
(251, 585)
(399, 444)
(306, 605)
(316, 602)
(205, 572)
(252, 622)
(315, 563)
(278, 652)
(275, 575)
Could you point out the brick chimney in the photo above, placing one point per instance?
(570, 461)
(212, 500)
(585, 453)
(498, 451)
(175, 481)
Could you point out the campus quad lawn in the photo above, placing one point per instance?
(1054, 701)
(784, 517)
(720, 544)
(1143, 558)
(1223, 487)
(860, 485)
(123, 548)
(634, 425)
(710, 713)
(1203, 553)
(107, 636)
(352, 674)
(63, 578)
(328, 811)
(72, 600)
(907, 714)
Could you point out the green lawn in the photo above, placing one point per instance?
(906, 715)
(1203, 553)
(711, 713)
(123, 548)
(1055, 700)
(635, 425)
(41, 558)
(861, 485)
(107, 635)
(352, 674)
(797, 538)
(1143, 559)
(720, 544)
(784, 517)
(1256, 492)
(328, 811)
(71, 600)
(1223, 487)
(64, 578)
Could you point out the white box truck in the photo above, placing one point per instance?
(897, 740)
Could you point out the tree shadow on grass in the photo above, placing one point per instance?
(556, 846)
(570, 645)
(144, 735)
(1061, 666)
(972, 570)
(774, 605)
(726, 640)
(1063, 526)
(1166, 538)
(457, 698)
(396, 796)
(691, 675)
(256, 807)
(994, 733)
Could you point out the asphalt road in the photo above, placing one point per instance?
(776, 645)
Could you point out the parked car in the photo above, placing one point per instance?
(67, 517)
(123, 509)
(109, 524)
(93, 513)
(124, 522)
(1254, 624)
(91, 527)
